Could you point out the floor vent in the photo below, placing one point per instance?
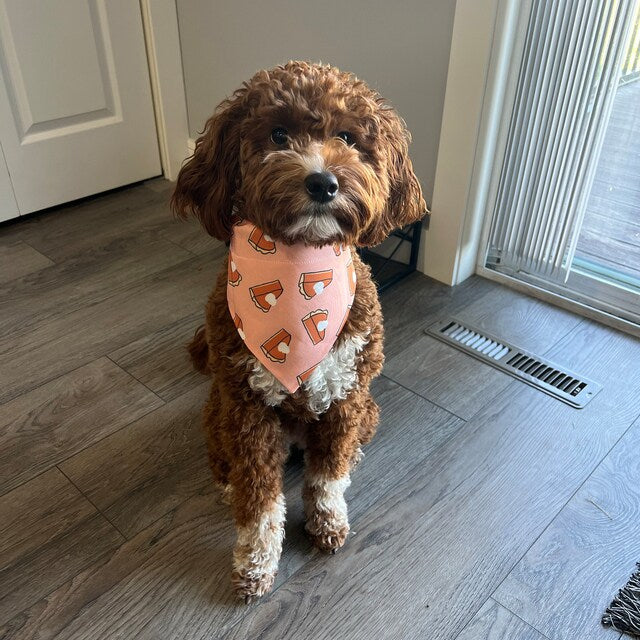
(551, 378)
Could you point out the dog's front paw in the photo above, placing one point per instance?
(251, 583)
(327, 531)
(257, 551)
(326, 512)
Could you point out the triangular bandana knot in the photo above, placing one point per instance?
(289, 303)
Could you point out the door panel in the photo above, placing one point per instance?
(76, 115)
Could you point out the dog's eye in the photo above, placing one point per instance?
(279, 136)
(346, 136)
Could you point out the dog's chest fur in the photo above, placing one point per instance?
(331, 380)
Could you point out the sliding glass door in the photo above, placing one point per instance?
(565, 211)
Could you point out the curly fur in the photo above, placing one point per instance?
(250, 418)
(331, 380)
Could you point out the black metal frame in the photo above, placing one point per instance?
(393, 270)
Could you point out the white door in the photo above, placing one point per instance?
(76, 115)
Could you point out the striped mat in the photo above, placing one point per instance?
(623, 613)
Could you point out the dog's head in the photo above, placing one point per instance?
(305, 152)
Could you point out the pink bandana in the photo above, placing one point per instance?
(288, 303)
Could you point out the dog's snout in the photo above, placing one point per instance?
(321, 186)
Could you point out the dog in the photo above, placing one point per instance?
(303, 155)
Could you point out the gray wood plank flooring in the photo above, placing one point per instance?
(71, 340)
(494, 622)
(160, 360)
(22, 258)
(587, 553)
(45, 425)
(479, 511)
(50, 532)
(152, 465)
(87, 278)
(437, 372)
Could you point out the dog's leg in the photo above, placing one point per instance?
(369, 418)
(258, 455)
(332, 448)
(214, 425)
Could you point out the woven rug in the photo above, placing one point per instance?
(623, 613)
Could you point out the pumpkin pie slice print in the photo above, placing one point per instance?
(351, 275)
(261, 242)
(277, 346)
(305, 375)
(316, 324)
(238, 324)
(233, 275)
(266, 295)
(314, 283)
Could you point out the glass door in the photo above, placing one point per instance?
(565, 206)
(608, 247)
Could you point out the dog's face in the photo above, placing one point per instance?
(307, 153)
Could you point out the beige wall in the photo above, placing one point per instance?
(401, 48)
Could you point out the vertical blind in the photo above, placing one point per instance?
(566, 82)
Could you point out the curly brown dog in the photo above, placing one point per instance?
(253, 162)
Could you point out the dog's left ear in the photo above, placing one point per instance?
(405, 203)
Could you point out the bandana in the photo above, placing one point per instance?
(289, 303)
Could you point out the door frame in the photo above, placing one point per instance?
(8, 204)
(162, 42)
(482, 36)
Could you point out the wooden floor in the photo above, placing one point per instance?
(483, 509)
(610, 234)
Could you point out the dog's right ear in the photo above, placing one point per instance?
(208, 181)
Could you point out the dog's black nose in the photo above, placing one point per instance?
(322, 187)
